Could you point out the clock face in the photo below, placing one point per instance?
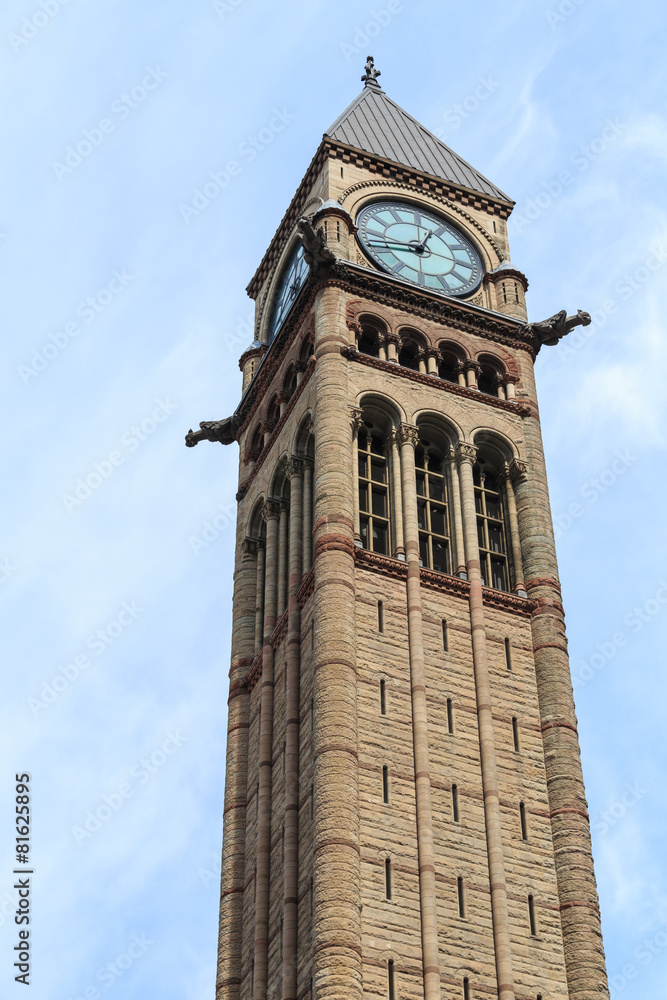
(419, 246)
(291, 281)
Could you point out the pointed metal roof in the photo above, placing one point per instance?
(376, 124)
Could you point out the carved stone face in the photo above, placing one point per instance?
(419, 246)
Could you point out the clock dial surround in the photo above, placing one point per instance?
(291, 282)
(419, 246)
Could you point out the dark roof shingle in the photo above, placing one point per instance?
(376, 124)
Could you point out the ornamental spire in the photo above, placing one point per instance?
(371, 73)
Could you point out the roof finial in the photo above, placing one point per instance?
(371, 74)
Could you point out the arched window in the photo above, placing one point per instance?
(408, 356)
(373, 492)
(491, 528)
(369, 341)
(273, 415)
(432, 510)
(256, 445)
(449, 367)
(487, 380)
(290, 381)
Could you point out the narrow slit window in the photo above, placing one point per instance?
(462, 907)
(515, 733)
(341, 172)
(466, 989)
(338, 239)
(450, 716)
(455, 803)
(380, 616)
(387, 878)
(445, 638)
(391, 990)
(383, 698)
(508, 654)
(516, 291)
(531, 916)
(494, 228)
(522, 815)
(385, 784)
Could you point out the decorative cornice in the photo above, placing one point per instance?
(442, 582)
(436, 188)
(444, 310)
(435, 382)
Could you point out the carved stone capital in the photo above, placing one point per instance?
(472, 366)
(432, 352)
(271, 510)
(466, 453)
(393, 338)
(300, 366)
(283, 397)
(518, 470)
(408, 434)
(308, 463)
(266, 427)
(508, 377)
(253, 545)
(284, 505)
(294, 467)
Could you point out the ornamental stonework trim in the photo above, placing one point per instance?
(392, 368)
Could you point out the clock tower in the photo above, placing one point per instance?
(405, 813)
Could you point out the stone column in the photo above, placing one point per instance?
(461, 372)
(282, 556)
(579, 912)
(337, 967)
(432, 356)
(259, 596)
(460, 570)
(266, 431)
(397, 497)
(295, 469)
(392, 348)
(421, 361)
(466, 454)
(229, 972)
(307, 525)
(282, 399)
(409, 437)
(356, 420)
(300, 367)
(471, 370)
(382, 347)
(510, 382)
(517, 469)
(271, 513)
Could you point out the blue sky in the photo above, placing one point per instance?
(123, 322)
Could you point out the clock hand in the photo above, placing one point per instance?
(394, 242)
